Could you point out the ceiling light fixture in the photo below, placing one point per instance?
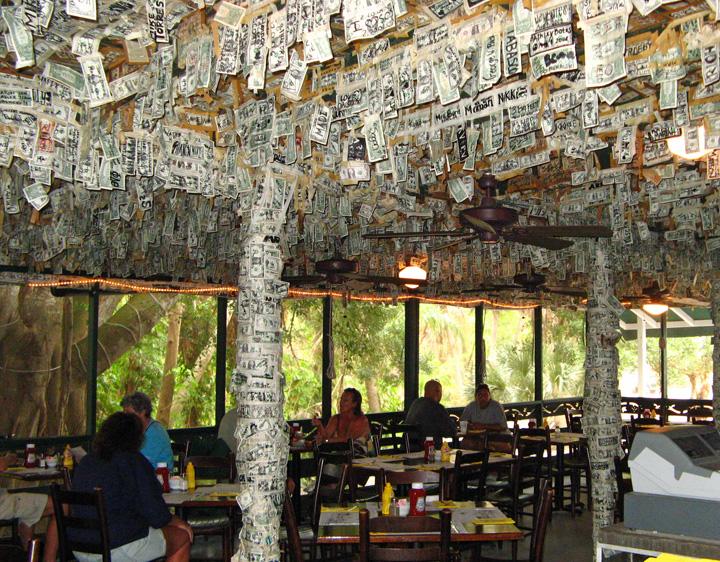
(676, 145)
(413, 272)
(655, 308)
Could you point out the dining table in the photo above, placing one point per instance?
(471, 522)
(297, 449)
(32, 474)
(217, 495)
(560, 440)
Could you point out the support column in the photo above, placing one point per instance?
(663, 366)
(259, 386)
(328, 368)
(538, 351)
(220, 359)
(601, 417)
(715, 315)
(480, 357)
(92, 371)
(412, 351)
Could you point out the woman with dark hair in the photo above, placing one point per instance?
(141, 527)
(350, 423)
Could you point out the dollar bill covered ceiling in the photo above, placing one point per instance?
(136, 136)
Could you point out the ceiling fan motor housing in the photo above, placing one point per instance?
(497, 217)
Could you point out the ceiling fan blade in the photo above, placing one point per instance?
(533, 240)
(453, 243)
(415, 234)
(303, 279)
(477, 223)
(384, 279)
(569, 291)
(566, 231)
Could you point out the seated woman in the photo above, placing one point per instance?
(350, 423)
(141, 527)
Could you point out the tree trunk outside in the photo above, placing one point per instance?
(167, 386)
(601, 410)
(373, 398)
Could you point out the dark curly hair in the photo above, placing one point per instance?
(120, 433)
(357, 399)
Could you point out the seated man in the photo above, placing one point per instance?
(29, 509)
(484, 412)
(432, 417)
(156, 446)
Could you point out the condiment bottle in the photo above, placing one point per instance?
(429, 444)
(387, 496)
(31, 460)
(417, 499)
(190, 475)
(445, 452)
(68, 458)
(163, 475)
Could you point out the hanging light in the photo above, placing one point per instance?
(413, 272)
(676, 145)
(655, 308)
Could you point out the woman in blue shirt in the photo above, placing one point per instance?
(140, 523)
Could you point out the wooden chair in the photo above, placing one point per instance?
(14, 538)
(180, 451)
(577, 462)
(624, 486)
(700, 415)
(543, 509)
(97, 523)
(13, 553)
(468, 476)
(408, 477)
(291, 544)
(212, 521)
(573, 420)
(432, 551)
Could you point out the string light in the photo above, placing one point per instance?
(227, 290)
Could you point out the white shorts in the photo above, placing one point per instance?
(28, 508)
(141, 550)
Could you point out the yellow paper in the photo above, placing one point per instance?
(497, 521)
(452, 505)
(339, 509)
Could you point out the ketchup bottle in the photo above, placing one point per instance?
(417, 499)
(429, 444)
(31, 460)
(163, 476)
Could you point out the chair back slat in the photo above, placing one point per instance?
(469, 467)
(227, 464)
(68, 521)
(402, 526)
(542, 516)
(293, 532)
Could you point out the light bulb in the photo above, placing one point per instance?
(676, 145)
(413, 272)
(654, 308)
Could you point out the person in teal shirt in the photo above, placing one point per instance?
(156, 445)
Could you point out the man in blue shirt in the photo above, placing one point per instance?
(156, 446)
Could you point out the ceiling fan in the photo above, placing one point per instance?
(490, 221)
(650, 294)
(532, 283)
(337, 270)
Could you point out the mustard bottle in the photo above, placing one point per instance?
(67, 458)
(387, 497)
(445, 452)
(190, 475)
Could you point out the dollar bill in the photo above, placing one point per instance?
(294, 78)
(86, 9)
(557, 60)
(156, 20)
(462, 188)
(448, 94)
(96, 84)
(354, 172)
(36, 195)
(374, 138)
(229, 59)
(425, 91)
(668, 94)
(320, 124)
(370, 22)
(278, 53)
(317, 47)
(22, 40)
(229, 14)
(710, 64)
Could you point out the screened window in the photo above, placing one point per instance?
(369, 348)
(690, 367)
(302, 357)
(563, 353)
(510, 365)
(161, 344)
(447, 351)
